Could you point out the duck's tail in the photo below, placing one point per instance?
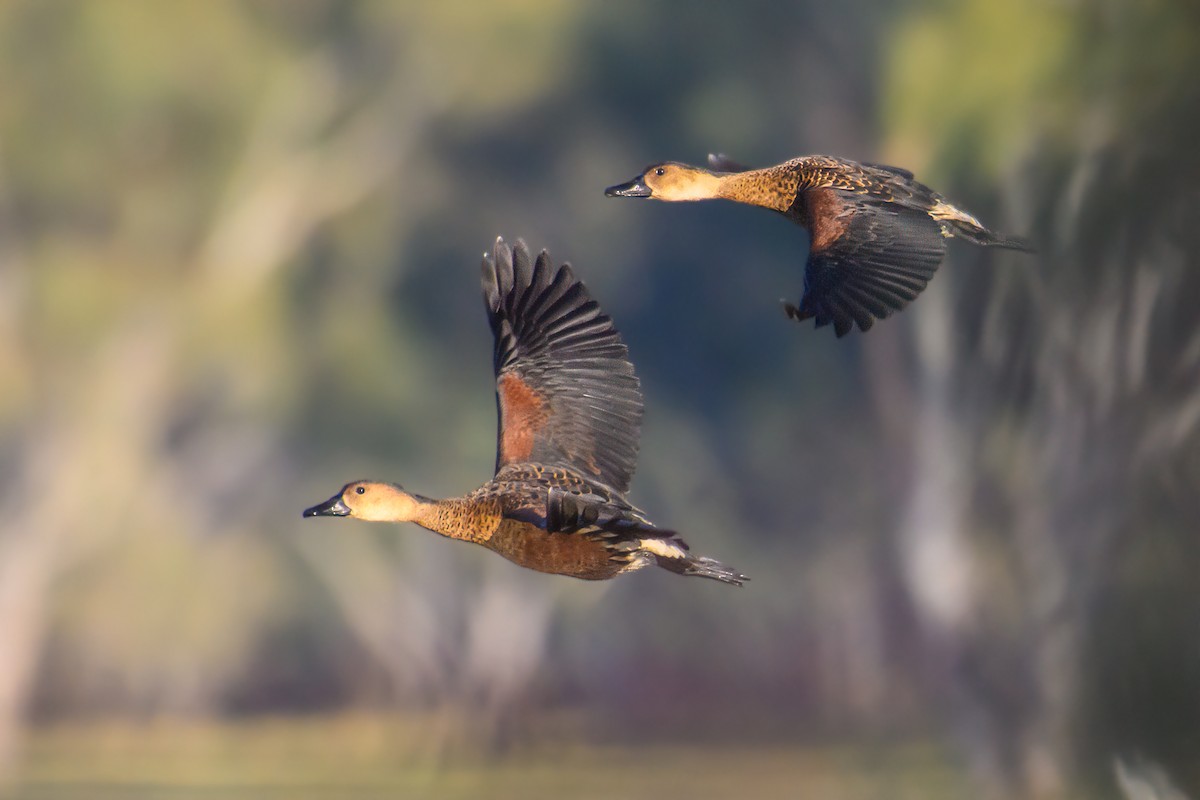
(625, 530)
(671, 554)
(958, 223)
(982, 236)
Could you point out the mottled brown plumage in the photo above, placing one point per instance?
(570, 412)
(876, 235)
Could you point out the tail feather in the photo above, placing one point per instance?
(977, 234)
(703, 568)
(956, 222)
(628, 532)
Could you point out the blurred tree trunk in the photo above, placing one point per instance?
(25, 569)
(1074, 393)
(1107, 345)
(89, 459)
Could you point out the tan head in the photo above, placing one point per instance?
(670, 181)
(373, 501)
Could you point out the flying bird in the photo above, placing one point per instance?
(570, 409)
(876, 235)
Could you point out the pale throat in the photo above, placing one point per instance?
(400, 508)
(702, 186)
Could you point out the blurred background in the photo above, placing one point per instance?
(239, 248)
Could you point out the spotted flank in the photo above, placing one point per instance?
(876, 235)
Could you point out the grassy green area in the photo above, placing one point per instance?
(372, 757)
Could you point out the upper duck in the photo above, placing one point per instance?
(876, 234)
(570, 412)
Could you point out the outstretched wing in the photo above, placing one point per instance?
(868, 259)
(566, 392)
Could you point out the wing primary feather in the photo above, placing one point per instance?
(566, 391)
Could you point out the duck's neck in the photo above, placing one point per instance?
(456, 518)
(769, 188)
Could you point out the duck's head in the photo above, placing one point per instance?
(669, 181)
(373, 501)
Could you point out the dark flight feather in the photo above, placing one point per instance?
(881, 261)
(566, 392)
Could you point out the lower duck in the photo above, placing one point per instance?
(570, 411)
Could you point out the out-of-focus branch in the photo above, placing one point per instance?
(294, 174)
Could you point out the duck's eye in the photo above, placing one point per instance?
(360, 490)
(660, 171)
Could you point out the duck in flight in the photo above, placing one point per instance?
(570, 411)
(876, 234)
